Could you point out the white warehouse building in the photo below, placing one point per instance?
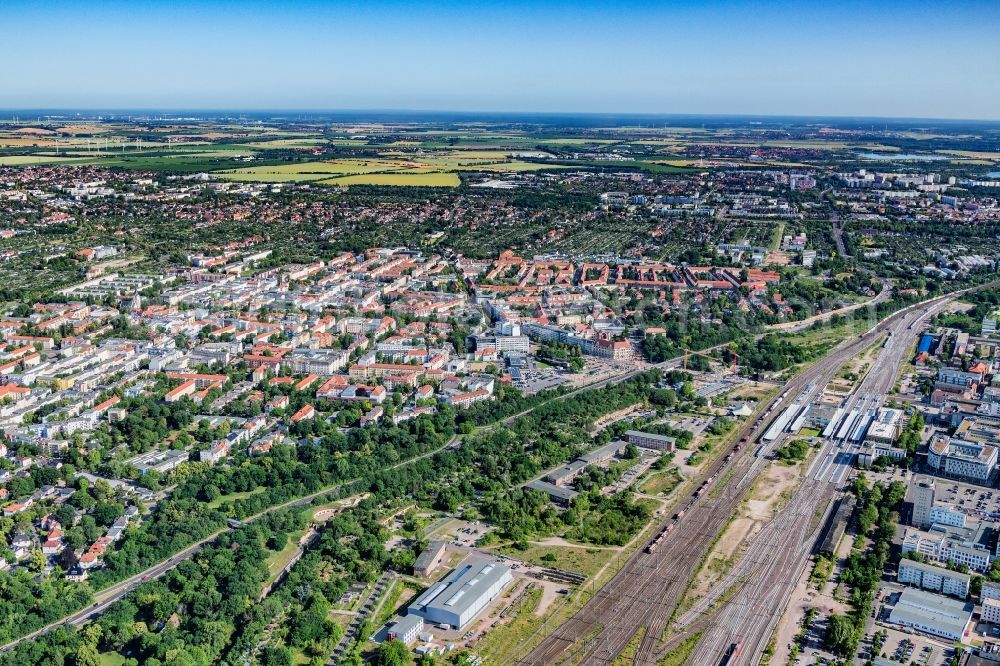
(462, 594)
(931, 614)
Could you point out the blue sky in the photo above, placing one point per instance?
(809, 57)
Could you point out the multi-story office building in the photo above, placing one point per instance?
(952, 545)
(942, 515)
(923, 502)
(990, 598)
(962, 459)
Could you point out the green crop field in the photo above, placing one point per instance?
(270, 176)
(511, 167)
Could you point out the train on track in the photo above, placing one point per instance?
(655, 543)
(736, 448)
(729, 658)
(702, 489)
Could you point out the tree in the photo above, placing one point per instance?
(463, 659)
(277, 541)
(38, 561)
(867, 518)
(277, 656)
(994, 572)
(106, 513)
(65, 515)
(393, 653)
(212, 492)
(839, 637)
(87, 655)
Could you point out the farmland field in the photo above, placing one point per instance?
(314, 170)
(392, 168)
(305, 142)
(431, 179)
(30, 160)
(271, 176)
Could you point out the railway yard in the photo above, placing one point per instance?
(737, 619)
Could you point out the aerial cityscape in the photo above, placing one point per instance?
(555, 375)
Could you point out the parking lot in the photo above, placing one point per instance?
(915, 649)
(695, 424)
(469, 534)
(535, 380)
(461, 533)
(898, 646)
(811, 647)
(634, 472)
(975, 502)
(889, 475)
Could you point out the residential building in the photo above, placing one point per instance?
(956, 381)
(323, 362)
(934, 578)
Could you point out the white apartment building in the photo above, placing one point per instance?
(941, 515)
(990, 597)
(934, 578)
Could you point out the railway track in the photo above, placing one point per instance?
(648, 588)
(780, 553)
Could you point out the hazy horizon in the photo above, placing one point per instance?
(208, 112)
(911, 60)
